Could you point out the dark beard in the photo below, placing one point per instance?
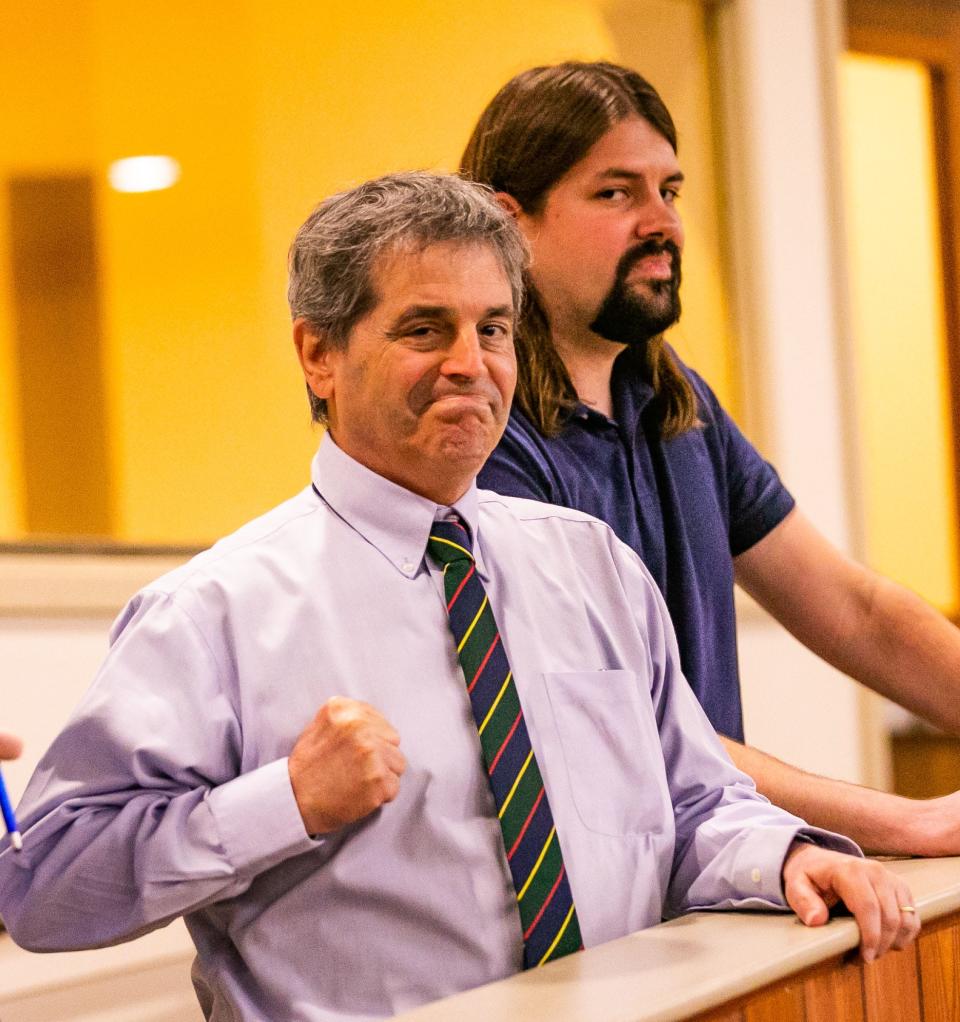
(631, 318)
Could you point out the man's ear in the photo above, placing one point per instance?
(316, 356)
(509, 203)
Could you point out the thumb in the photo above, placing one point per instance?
(804, 899)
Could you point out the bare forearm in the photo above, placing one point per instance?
(879, 822)
(865, 625)
(907, 651)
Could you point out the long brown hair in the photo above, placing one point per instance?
(535, 129)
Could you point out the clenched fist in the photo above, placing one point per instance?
(345, 764)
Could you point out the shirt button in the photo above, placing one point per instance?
(406, 566)
(755, 876)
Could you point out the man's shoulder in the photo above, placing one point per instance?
(521, 518)
(560, 539)
(276, 534)
(524, 509)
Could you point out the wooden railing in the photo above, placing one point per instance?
(743, 967)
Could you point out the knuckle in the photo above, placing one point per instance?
(377, 776)
(333, 710)
(389, 791)
(877, 872)
(362, 744)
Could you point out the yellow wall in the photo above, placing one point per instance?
(896, 290)
(268, 108)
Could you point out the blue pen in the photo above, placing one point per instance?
(9, 820)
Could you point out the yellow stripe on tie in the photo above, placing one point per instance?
(449, 542)
(473, 624)
(523, 770)
(556, 941)
(537, 864)
(496, 703)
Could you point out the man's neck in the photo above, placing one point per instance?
(589, 360)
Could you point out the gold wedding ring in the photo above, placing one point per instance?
(908, 908)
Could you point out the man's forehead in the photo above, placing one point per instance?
(410, 266)
(614, 173)
(446, 281)
(630, 148)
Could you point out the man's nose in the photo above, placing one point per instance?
(658, 219)
(464, 357)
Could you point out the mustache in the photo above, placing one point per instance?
(650, 247)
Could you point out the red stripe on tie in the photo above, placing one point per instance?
(453, 599)
(526, 824)
(543, 907)
(496, 759)
(476, 677)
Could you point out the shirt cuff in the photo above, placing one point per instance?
(758, 866)
(827, 839)
(258, 819)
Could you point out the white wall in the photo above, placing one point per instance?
(48, 656)
(776, 73)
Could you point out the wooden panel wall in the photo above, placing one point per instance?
(925, 765)
(921, 984)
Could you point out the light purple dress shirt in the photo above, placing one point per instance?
(168, 794)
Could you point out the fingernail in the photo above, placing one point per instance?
(868, 956)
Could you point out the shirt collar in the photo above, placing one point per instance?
(391, 518)
(630, 391)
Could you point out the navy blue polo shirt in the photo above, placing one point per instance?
(687, 506)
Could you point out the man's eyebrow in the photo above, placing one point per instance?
(632, 175)
(502, 311)
(445, 312)
(425, 311)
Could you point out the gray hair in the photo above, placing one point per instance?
(332, 258)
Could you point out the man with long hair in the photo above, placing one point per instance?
(607, 420)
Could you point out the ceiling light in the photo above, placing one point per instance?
(143, 173)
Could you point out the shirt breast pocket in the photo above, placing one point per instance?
(612, 750)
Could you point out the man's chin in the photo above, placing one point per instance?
(637, 323)
(466, 441)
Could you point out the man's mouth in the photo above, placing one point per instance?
(467, 401)
(657, 266)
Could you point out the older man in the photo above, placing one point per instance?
(608, 421)
(397, 737)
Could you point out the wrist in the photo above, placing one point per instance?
(798, 848)
(298, 796)
(929, 828)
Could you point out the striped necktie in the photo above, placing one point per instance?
(547, 913)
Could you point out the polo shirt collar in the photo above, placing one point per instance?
(391, 518)
(630, 391)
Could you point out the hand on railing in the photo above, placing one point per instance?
(815, 879)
